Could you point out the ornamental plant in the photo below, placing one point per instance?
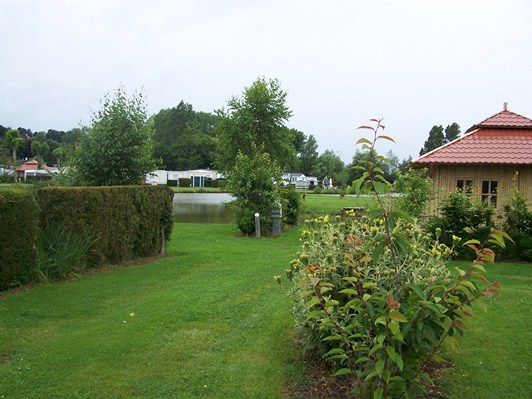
(373, 295)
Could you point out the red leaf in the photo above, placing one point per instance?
(496, 284)
(391, 302)
(365, 127)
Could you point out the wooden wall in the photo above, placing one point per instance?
(509, 177)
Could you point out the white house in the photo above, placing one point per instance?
(196, 176)
(300, 181)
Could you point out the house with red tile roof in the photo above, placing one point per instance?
(491, 160)
(31, 168)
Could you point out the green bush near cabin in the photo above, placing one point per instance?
(19, 213)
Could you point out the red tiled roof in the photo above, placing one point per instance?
(493, 146)
(30, 165)
(504, 119)
(504, 138)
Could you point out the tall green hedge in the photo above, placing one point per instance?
(125, 222)
(19, 214)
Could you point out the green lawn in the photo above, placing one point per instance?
(494, 357)
(332, 204)
(207, 321)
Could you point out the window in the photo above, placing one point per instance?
(465, 186)
(489, 192)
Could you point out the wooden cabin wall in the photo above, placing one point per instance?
(509, 177)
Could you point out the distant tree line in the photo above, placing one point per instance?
(182, 138)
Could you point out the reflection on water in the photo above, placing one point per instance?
(202, 208)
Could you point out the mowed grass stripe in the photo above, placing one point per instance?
(207, 321)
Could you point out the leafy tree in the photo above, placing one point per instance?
(257, 120)
(437, 138)
(416, 187)
(452, 132)
(117, 148)
(12, 141)
(308, 157)
(39, 149)
(330, 164)
(255, 182)
(183, 138)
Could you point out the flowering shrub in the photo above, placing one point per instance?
(373, 294)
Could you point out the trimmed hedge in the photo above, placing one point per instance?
(184, 182)
(19, 213)
(125, 222)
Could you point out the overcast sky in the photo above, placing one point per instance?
(415, 63)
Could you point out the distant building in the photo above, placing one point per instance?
(197, 177)
(300, 181)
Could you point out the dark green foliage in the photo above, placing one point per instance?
(61, 252)
(331, 165)
(416, 188)
(184, 182)
(125, 222)
(463, 218)
(183, 138)
(117, 149)
(308, 157)
(518, 225)
(291, 201)
(437, 138)
(452, 132)
(255, 182)
(19, 213)
(218, 183)
(257, 120)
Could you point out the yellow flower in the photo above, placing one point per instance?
(455, 238)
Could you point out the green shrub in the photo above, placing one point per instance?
(125, 222)
(366, 317)
(416, 189)
(255, 184)
(19, 213)
(218, 183)
(291, 201)
(463, 218)
(184, 182)
(374, 296)
(61, 253)
(518, 225)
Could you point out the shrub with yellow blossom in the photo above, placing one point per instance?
(374, 296)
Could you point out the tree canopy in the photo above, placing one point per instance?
(184, 138)
(256, 120)
(437, 137)
(117, 148)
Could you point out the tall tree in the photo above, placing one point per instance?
(117, 149)
(436, 139)
(183, 138)
(308, 157)
(452, 132)
(331, 165)
(12, 141)
(256, 120)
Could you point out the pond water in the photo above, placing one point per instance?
(202, 208)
